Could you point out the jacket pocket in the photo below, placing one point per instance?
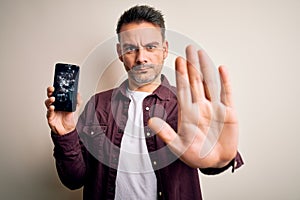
(93, 139)
(94, 130)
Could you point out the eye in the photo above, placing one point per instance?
(151, 46)
(130, 49)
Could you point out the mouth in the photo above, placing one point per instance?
(141, 68)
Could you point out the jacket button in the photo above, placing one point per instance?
(147, 108)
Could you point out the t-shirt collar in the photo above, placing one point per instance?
(164, 91)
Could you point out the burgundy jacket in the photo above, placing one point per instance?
(88, 156)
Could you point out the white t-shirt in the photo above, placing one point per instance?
(135, 178)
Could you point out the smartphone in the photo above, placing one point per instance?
(66, 77)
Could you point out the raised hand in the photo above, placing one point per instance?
(60, 122)
(207, 133)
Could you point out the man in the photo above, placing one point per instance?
(147, 139)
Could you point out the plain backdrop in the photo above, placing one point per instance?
(257, 40)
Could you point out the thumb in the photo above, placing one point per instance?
(162, 129)
(79, 101)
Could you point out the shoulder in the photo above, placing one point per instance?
(100, 100)
(104, 95)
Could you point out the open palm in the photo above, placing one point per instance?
(207, 124)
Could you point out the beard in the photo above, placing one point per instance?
(144, 74)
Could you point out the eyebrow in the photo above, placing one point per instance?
(150, 43)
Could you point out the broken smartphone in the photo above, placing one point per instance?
(66, 78)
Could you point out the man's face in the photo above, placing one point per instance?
(142, 50)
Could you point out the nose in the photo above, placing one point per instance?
(141, 56)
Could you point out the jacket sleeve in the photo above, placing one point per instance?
(70, 150)
(70, 163)
(236, 163)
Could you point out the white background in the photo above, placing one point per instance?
(258, 40)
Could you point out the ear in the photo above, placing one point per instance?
(165, 48)
(119, 52)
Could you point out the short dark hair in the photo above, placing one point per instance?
(143, 13)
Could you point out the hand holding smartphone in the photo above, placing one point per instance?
(66, 77)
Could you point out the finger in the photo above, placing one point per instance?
(79, 103)
(50, 91)
(49, 102)
(210, 76)
(194, 73)
(50, 113)
(162, 129)
(167, 134)
(226, 89)
(79, 100)
(182, 83)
